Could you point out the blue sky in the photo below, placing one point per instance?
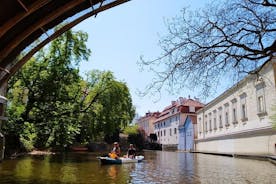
(119, 36)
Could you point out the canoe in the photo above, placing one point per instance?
(121, 160)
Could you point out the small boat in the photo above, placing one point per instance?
(121, 160)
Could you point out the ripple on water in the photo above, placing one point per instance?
(158, 167)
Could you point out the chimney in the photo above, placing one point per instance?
(181, 99)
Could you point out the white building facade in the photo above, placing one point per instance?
(166, 126)
(239, 120)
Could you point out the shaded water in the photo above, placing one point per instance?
(158, 167)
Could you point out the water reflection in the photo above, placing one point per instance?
(158, 167)
(234, 170)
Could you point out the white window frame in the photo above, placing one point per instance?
(210, 121)
(243, 104)
(215, 119)
(260, 97)
(220, 117)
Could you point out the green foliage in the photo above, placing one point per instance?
(131, 130)
(110, 105)
(135, 136)
(112, 137)
(52, 106)
(28, 136)
(137, 139)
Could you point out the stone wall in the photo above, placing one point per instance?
(256, 145)
(169, 147)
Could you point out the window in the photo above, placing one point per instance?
(261, 104)
(226, 112)
(191, 109)
(210, 122)
(215, 123)
(199, 125)
(234, 111)
(234, 116)
(226, 119)
(220, 118)
(170, 132)
(215, 119)
(210, 125)
(175, 131)
(260, 92)
(220, 122)
(206, 124)
(243, 111)
(164, 132)
(243, 107)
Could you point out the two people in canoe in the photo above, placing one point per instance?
(116, 151)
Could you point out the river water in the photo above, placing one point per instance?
(158, 167)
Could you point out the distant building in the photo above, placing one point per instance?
(238, 121)
(145, 123)
(167, 124)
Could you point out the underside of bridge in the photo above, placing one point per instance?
(28, 25)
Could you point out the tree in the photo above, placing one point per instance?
(51, 105)
(135, 136)
(45, 93)
(225, 38)
(112, 107)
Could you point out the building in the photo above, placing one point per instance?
(167, 123)
(187, 134)
(145, 123)
(238, 121)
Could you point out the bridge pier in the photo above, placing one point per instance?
(3, 104)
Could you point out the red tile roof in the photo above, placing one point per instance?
(179, 106)
(149, 115)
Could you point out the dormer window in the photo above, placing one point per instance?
(191, 109)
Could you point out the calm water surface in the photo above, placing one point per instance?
(158, 167)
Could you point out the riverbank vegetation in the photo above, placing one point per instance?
(52, 106)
